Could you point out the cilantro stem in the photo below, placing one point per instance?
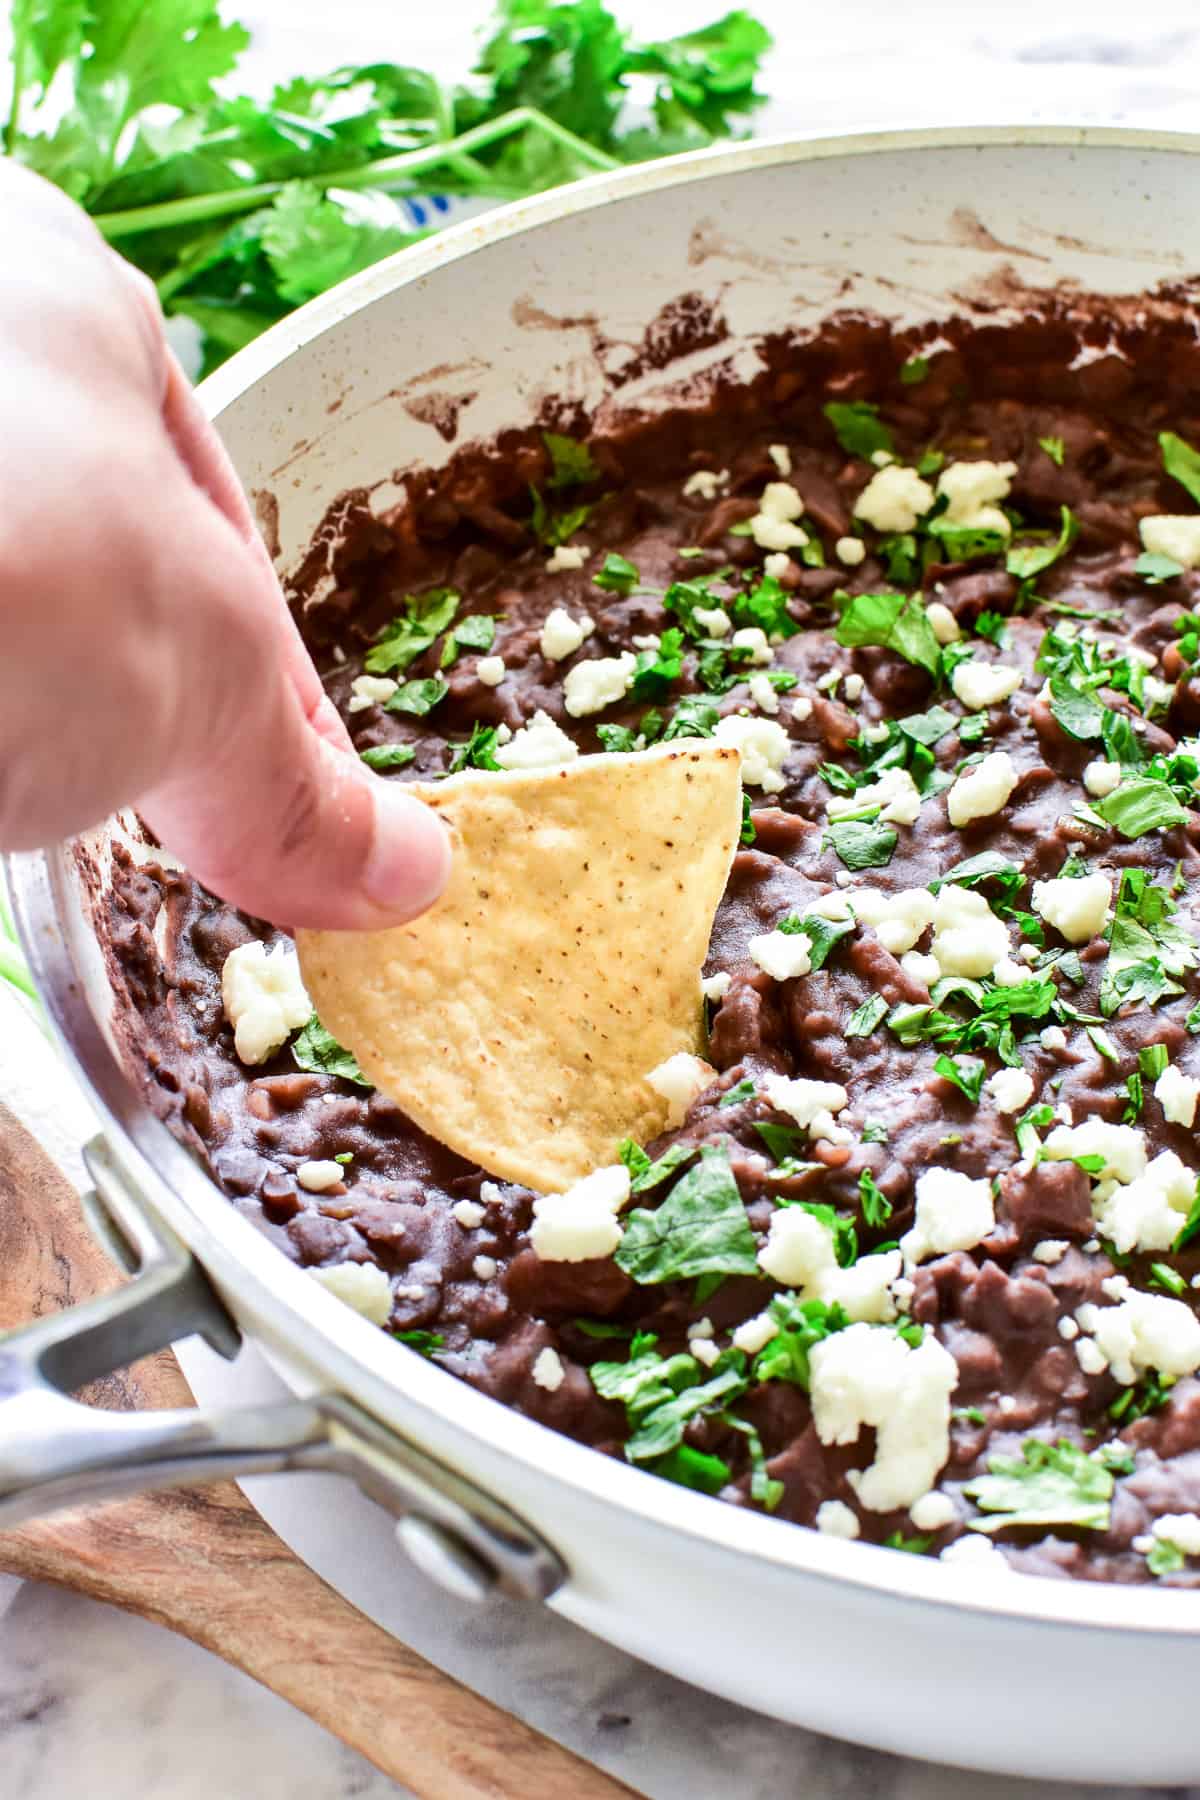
(386, 172)
(13, 970)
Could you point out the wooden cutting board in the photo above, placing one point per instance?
(201, 1562)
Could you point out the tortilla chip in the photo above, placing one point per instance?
(516, 1021)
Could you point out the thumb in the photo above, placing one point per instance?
(287, 825)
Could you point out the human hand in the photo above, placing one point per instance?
(149, 658)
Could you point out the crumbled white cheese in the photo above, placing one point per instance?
(679, 1081)
(1011, 1089)
(542, 744)
(850, 551)
(1051, 1250)
(567, 556)
(715, 987)
(894, 499)
(944, 625)
(983, 790)
(836, 1519)
(1177, 1094)
(1101, 778)
(370, 690)
(468, 1213)
(854, 687)
(932, 1511)
(1053, 1038)
(582, 1223)
(1174, 535)
(754, 639)
(1077, 907)
(484, 1267)
(968, 938)
(1009, 973)
(953, 1213)
(548, 1371)
(705, 1352)
(971, 488)
(868, 1376)
(491, 1193)
(1144, 1331)
(783, 955)
(898, 919)
(715, 620)
(763, 745)
(1148, 1212)
(755, 1334)
(917, 967)
(773, 526)
(777, 564)
(362, 1286)
(705, 484)
(804, 1100)
(980, 684)
(319, 1177)
(562, 635)
(895, 792)
(763, 694)
(1180, 1529)
(1068, 1330)
(781, 456)
(591, 686)
(799, 1253)
(700, 1328)
(264, 997)
(978, 1555)
(491, 670)
(1122, 1146)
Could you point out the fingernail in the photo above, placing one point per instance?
(409, 859)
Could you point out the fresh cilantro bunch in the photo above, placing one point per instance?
(240, 210)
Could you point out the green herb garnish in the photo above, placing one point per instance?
(700, 1228)
(318, 1052)
(1181, 462)
(387, 756)
(860, 430)
(895, 622)
(1048, 1484)
(424, 618)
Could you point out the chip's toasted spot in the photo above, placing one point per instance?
(517, 1019)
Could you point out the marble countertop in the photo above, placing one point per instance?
(94, 1702)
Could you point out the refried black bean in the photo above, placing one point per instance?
(1076, 398)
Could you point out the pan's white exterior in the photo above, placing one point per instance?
(1039, 1677)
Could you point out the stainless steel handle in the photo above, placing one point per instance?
(57, 1452)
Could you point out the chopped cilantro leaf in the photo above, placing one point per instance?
(1055, 449)
(896, 622)
(1191, 1225)
(873, 1133)
(860, 430)
(964, 543)
(479, 751)
(763, 1488)
(781, 1140)
(765, 605)
(876, 1207)
(970, 1415)
(617, 576)
(914, 370)
(860, 844)
(476, 632)
(1048, 1484)
(994, 627)
(645, 1174)
(1077, 710)
(602, 1328)
(1162, 1275)
(928, 727)
(802, 1323)
(1148, 1395)
(741, 1090)
(823, 935)
(1139, 806)
(387, 756)
(570, 461)
(916, 1545)
(657, 669)
(419, 697)
(692, 1468)
(1164, 1558)
(1181, 462)
(318, 1052)
(660, 1394)
(748, 833)
(423, 1342)
(1029, 560)
(424, 618)
(1154, 568)
(1152, 1060)
(700, 1228)
(863, 1021)
(551, 527)
(693, 717)
(966, 1077)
